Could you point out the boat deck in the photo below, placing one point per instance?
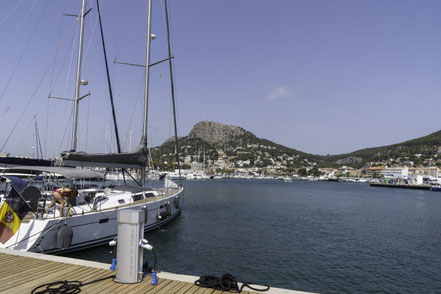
(163, 193)
(21, 272)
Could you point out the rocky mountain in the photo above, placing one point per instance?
(214, 140)
(220, 135)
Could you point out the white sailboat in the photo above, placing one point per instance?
(92, 218)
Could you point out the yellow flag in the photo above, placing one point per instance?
(9, 222)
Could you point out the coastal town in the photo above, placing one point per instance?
(258, 161)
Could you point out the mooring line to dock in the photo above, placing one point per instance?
(67, 287)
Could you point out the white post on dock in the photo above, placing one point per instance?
(129, 254)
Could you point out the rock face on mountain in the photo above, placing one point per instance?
(349, 160)
(219, 134)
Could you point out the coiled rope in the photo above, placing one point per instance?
(226, 282)
(64, 287)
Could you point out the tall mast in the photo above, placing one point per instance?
(146, 89)
(78, 80)
(39, 152)
(172, 89)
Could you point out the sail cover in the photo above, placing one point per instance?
(133, 159)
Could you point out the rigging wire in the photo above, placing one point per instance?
(10, 12)
(33, 95)
(172, 50)
(58, 40)
(138, 98)
(25, 136)
(89, 66)
(66, 83)
(118, 144)
(18, 28)
(173, 63)
(123, 38)
(26, 46)
(69, 67)
(58, 149)
(170, 54)
(51, 83)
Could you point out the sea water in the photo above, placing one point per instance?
(327, 237)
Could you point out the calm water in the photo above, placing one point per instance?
(322, 237)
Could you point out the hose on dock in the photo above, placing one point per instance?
(145, 267)
(65, 287)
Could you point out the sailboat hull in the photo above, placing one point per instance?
(90, 229)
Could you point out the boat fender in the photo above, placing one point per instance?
(146, 215)
(162, 215)
(64, 237)
(168, 209)
(176, 201)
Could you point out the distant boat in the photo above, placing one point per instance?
(436, 188)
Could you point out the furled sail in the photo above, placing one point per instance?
(134, 159)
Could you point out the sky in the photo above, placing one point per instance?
(323, 77)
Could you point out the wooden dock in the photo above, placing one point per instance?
(21, 272)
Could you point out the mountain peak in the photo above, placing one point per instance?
(219, 134)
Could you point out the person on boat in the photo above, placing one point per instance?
(61, 196)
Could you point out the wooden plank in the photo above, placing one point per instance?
(200, 290)
(4, 256)
(162, 283)
(90, 288)
(169, 288)
(9, 267)
(29, 273)
(172, 287)
(20, 261)
(153, 289)
(95, 287)
(114, 287)
(16, 276)
(142, 286)
(185, 288)
(82, 276)
(123, 288)
(32, 282)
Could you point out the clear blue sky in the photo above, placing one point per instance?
(323, 77)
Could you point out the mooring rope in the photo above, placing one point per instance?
(226, 282)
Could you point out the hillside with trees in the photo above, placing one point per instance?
(215, 141)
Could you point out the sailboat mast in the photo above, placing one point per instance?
(78, 80)
(172, 89)
(147, 73)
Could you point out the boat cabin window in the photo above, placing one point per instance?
(137, 197)
(147, 195)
